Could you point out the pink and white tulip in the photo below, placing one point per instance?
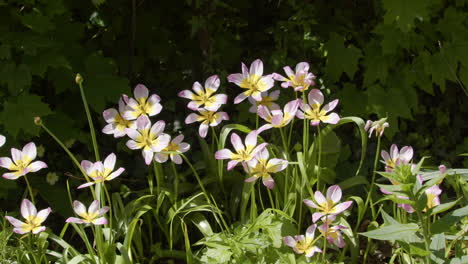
(332, 233)
(268, 100)
(148, 138)
(93, 215)
(100, 172)
(142, 104)
(262, 167)
(329, 205)
(278, 118)
(176, 145)
(303, 244)
(244, 153)
(252, 80)
(300, 80)
(395, 157)
(206, 118)
(22, 162)
(34, 219)
(204, 96)
(116, 124)
(314, 111)
(379, 127)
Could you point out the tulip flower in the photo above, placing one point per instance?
(2, 140)
(176, 145)
(22, 162)
(100, 172)
(379, 127)
(329, 205)
(142, 105)
(93, 215)
(300, 80)
(261, 167)
(116, 124)
(33, 219)
(268, 100)
(303, 244)
(396, 158)
(332, 233)
(244, 153)
(278, 118)
(148, 138)
(314, 111)
(205, 96)
(252, 80)
(433, 194)
(207, 119)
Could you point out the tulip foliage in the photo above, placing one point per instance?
(208, 207)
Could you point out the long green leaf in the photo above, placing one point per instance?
(392, 232)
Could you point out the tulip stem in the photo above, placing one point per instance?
(29, 189)
(158, 177)
(371, 189)
(319, 169)
(286, 151)
(176, 181)
(90, 121)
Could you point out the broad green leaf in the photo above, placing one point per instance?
(438, 248)
(392, 232)
(443, 207)
(353, 181)
(17, 77)
(340, 58)
(405, 12)
(446, 222)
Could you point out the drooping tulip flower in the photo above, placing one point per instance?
(34, 219)
(100, 172)
(252, 80)
(205, 97)
(328, 206)
(244, 153)
(303, 244)
(22, 162)
(396, 157)
(93, 215)
(332, 233)
(142, 105)
(176, 145)
(379, 127)
(300, 80)
(433, 194)
(268, 100)
(278, 118)
(148, 138)
(116, 124)
(262, 167)
(313, 110)
(207, 119)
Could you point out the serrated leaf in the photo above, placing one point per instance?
(376, 67)
(18, 115)
(392, 232)
(405, 12)
(340, 58)
(17, 77)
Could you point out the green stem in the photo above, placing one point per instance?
(158, 177)
(109, 202)
(286, 151)
(319, 170)
(30, 190)
(271, 199)
(176, 181)
(372, 185)
(90, 121)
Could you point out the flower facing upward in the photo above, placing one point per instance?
(94, 215)
(244, 153)
(396, 158)
(314, 111)
(33, 219)
(301, 80)
(116, 123)
(268, 100)
(100, 172)
(22, 162)
(252, 80)
(205, 97)
(329, 205)
(261, 167)
(142, 105)
(332, 233)
(379, 127)
(303, 244)
(176, 145)
(278, 118)
(206, 118)
(148, 138)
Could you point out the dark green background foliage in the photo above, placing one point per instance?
(407, 60)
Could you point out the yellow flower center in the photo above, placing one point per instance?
(243, 155)
(304, 245)
(32, 222)
(209, 116)
(299, 81)
(172, 147)
(89, 217)
(315, 114)
(327, 207)
(253, 84)
(260, 169)
(121, 122)
(266, 101)
(146, 139)
(144, 107)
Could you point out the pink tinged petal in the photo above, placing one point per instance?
(231, 164)
(319, 198)
(140, 91)
(315, 97)
(16, 155)
(122, 101)
(39, 229)
(258, 149)
(212, 83)
(276, 165)
(310, 231)
(341, 207)
(384, 154)
(316, 216)
(12, 175)
(312, 252)
(19, 230)
(235, 78)
(220, 117)
(197, 88)
(262, 155)
(100, 221)
(15, 222)
(251, 179)
(184, 147)
(268, 182)
(35, 166)
(161, 157)
(394, 151)
(155, 109)
(108, 129)
(85, 185)
(103, 210)
(289, 241)
(220, 98)
(158, 127)
(245, 70)
(163, 141)
(442, 169)
(74, 220)
(263, 112)
(334, 193)
(203, 130)
(241, 97)
(93, 207)
(6, 162)
(178, 139)
(154, 99)
(407, 207)
(2, 140)
(257, 96)
(79, 207)
(191, 118)
(256, 68)
(302, 67)
(109, 162)
(28, 209)
(186, 94)
(291, 107)
(385, 191)
(275, 95)
(330, 106)
(368, 125)
(223, 154)
(236, 142)
(300, 114)
(177, 159)
(339, 242)
(131, 144)
(333, 118)
(148, 156)
(406, 153)
(251, 139)
(43, 214)
(143, 122)
(263, 128)
(434, 190)
(288, 71)
(310, 203)
(87, 166)
(109, 115)
(314, 123)
(115, 174)
(278, 77)
(29, 151)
